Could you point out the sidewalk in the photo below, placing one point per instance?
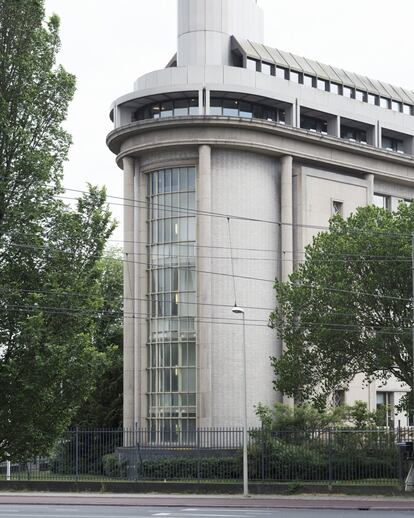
(159, 500)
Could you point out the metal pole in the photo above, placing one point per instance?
(8, 470)
(245, 463)
(412, 327)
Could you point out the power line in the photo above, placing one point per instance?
(345, 257)
(211, 320)
(145, 206)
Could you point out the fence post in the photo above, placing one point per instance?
(8, 470)
(330, 459)
(198, 453)
(77, 454)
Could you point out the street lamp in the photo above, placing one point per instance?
(240, 311)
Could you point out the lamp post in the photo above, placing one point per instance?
(240, 311)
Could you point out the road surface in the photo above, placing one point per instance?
(62, 511)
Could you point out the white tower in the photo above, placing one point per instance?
(205, 28)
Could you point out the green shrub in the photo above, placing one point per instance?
(114, 467)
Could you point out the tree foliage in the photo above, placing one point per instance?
(103, 407)
(49, 253)
(307, 417)
(348, 308)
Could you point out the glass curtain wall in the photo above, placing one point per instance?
(172, 294)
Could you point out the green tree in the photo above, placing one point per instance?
(49, 253)
(348, 308)
(103, 407)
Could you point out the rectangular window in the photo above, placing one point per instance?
(307, 80)
(372, 99)
(360, 95)
(337, 207)
(252, 64)
(267, 69)
(334, 88)
(230, 108)
(407, 109)
(396, 106)
(322, 84)
(216, 106)
(167, 109)
(347, 91)
(385, 408)
(354, 134)
(281, 72)
(393, 144)
(314, 124)
(294, 76)
(193, 107)
(180, 108)
(246, 110)
(384, 102)
(382, 201)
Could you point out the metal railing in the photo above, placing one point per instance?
(298, 456)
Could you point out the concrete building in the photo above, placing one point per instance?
(232, 127)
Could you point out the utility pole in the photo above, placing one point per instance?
(412, 328)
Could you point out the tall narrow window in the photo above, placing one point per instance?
(337, 207)
(385, 408)
(172, 295)
(382, 201)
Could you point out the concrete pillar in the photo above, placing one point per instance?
(296, 114)
(287, 228)
(287, 216)
(370, 188)
(204, 291)
(379, 135)
(129, 385)
(334, 126)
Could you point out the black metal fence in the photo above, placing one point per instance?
(320, 456)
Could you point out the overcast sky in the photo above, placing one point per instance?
(107, 45)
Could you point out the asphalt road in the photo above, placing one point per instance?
(60, 511)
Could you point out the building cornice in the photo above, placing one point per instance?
(259, 136)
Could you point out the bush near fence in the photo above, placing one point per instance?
(326, 455)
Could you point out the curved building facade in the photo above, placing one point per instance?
(236, 146)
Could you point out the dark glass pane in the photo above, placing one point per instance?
(246, 110)
(181, 108)
(230, 108)
(216, 106)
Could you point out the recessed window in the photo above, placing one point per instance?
(360, 95)
(347, 91)
(246, 110)
(393, 144)
(396, 106)
(294, 76)
(372, 99)
(267, 69)
(337, 207)
(230, 108)
(314, 124)
(307, 80)
(384, 102)
(407, 109)
(353, 134)
(382, 201)
(322, 84)
(216, 107)
(334, 88)
(385, 407)
(281, 72)
(252, 64)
